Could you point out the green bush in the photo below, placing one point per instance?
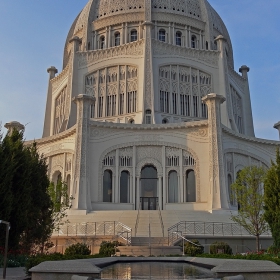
(220, 248)
(107, 248)
(13, 260)
(192, 250)
(273, 250)
(77, 249)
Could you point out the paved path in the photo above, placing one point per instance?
(13, 273)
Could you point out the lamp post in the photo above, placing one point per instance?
(6, 246)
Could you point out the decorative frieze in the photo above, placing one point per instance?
(206, 57)
(134, 49)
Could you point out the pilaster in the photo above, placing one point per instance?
(47, 123)
(148, 64)
(82, 199)
(217, 199)
(247, 108)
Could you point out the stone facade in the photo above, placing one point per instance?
(133, 114)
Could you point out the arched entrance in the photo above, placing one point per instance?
(148, 189)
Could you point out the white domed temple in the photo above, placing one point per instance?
(148, 112)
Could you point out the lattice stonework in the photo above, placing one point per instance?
(237, 109)
(190, 8)
(115, 89)
(181, 89)
(60, 111)
(112, 7)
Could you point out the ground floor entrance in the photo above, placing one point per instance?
(149, 203)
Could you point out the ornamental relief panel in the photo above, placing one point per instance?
(134, 49)
(149, 152)
(206, 57)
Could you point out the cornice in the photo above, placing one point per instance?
(170, 126)
(53, 138)
(249, 138)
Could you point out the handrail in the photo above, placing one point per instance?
(160, 218)
(187, 239)
(195, 228)
(137, 219)
(106, 228)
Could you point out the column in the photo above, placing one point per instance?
(81, 178)
(48, 113)
(94, 40)
(181, 181)
(178, 93)
(247, 111)
(160, 192)
(186, 36)
(138, 192)
(163, 178)
(173, 41)
(125, 34)
(133, 176)
(217, 184)
(107, 38)
(130, 189)
(114, 188)
(200, 40)
(189, 36)
(110, 37)
(169, 34)
(117, 183)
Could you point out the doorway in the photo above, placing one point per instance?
(148, 190)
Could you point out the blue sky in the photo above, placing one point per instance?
(32, 38)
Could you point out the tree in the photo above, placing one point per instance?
(248, 192)
(61, 202)
(272, 199)
(24, 200)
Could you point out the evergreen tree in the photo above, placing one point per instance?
(24, 200)
(272, 199)
(248, 192)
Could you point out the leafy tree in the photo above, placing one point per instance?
(24, 200)
(272, 199)
(61, 203)
(248, 192)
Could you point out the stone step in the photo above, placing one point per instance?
(146, 241)
(149, 250)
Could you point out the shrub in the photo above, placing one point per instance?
(220, 248)
(107, 248)
(192, 250)
(77, 249)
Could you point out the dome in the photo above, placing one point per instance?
(196, 13)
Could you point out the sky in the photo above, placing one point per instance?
(33, 34)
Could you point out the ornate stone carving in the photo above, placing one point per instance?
(92, 57)
(237, 79)
(206, 57)
(149, 161)
(61, 78)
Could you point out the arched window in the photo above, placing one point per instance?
(190, 186)
(193, 42)
(148, 117)
(178, 38)
(207, 45)
(131, 121)
(102, 43)
(107, 186)
(133, 35)
(172, 187)
(164, 121)
(161, 35)
(117, 38)
(124, 187)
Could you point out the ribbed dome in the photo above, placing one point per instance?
(194, 10)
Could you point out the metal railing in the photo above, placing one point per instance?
(94, 229)
(160, 218)
(207, 229)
